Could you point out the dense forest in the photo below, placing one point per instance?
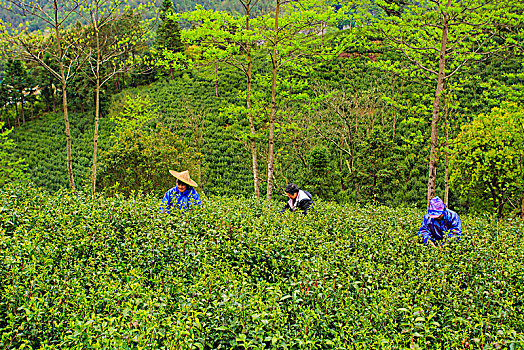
(373, 107)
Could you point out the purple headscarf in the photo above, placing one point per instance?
(436, 208)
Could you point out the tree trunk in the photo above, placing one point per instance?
(17, 115)
(446, 172)
(446, 153)
(172, 72)
(500, 208)
(8, 117)
(522, 209)
(395, 116)
(252, 140)
(22, 110)
(216, 81)
(54, 101)
(341, 168)
(432, 176)
(270, 160)
(97, 110)
(64, 99)
(67, 130)
(289, 81)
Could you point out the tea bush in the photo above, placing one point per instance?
(42, 145)
(118, 273)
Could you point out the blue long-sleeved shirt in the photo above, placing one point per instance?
(180, 200)
(439, 230)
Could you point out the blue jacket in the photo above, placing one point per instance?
(436, 230)
(180, 200)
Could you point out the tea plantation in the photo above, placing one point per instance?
(118, 273)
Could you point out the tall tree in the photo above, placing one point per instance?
(104, 47)
(20, 85)
(16, 81)
(33, 47)
(488, 160)
(47, 83)
(168, 33)
(440, 38)
(4, 102)
(293, 33)
(229, 39)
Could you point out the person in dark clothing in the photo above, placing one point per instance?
(439, 224)
(298, 199)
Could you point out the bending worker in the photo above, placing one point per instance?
(298, 199)
(183, 196)
(439, 224)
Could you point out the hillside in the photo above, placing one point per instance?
(118, 273)
(42, 146)
(233, 6)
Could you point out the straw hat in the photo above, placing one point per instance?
(184, 177)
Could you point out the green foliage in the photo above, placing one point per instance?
(232, 6)
(168, 32)
(379, 166)
(41, 143)
(321, 178)
(488, 160)
(11, 169)
(225, 167)
(140, 156)
(119, 273)
(382, 126)
(19, 83)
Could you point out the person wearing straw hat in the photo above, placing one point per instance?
(298, 199)
(439, 224)
(183, 195)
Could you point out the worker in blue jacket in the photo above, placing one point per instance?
(439, 224)
(183, 196)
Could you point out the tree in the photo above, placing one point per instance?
(47, 83)
(226, 39)
(440, 38)
(34, 47)
(355, 121)
(142, 154)
(4, 102)
(321, 175)
(294, 32)
(168, 33)
(19, 83)
(104, 47)
(488, 160)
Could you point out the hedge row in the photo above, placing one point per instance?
(118, 273)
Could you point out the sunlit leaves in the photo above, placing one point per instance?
(119, 273)
(488, 160)
(11, 169)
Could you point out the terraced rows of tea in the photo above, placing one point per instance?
(118, 273)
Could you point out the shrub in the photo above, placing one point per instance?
(11, 169)
(119, 273)
(141, 156)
